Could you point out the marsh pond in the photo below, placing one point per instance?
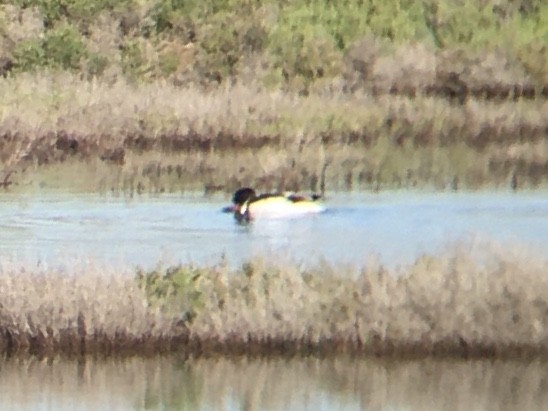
(52, 229)
(271, 384)
(393, 227)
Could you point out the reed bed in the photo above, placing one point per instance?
(156, 137)
(43, 311)
(473, 301)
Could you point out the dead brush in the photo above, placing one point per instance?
(243, 135)
(465, 303)
(473, 301)
(160, 116)
(82, 311)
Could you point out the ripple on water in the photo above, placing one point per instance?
(396, 227)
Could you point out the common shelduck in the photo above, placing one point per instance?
(247, 205)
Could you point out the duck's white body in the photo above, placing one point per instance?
(281, 207)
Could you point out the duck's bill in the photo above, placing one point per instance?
(229, 209)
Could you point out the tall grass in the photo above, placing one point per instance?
(46, 311)
(475, 301)
(158, 138)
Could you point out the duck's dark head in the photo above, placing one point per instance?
(241, 200)
(243, 195)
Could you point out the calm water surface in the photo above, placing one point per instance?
(276, 384)
(396, 227)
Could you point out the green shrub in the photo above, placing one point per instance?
(162, 16)
(73, 10)
(398, 20)
(96, 64)
(176, 291)
(297, 42)
(169, 62)
(61, 47)
(29, 54)
(220, 41)
(466, 24)
(302, 49)
(310, 39)
(166, 14)
(223, 36)
(528, 40)
(64, 47)
(133, 60)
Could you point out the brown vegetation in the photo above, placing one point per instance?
(49, 311)
(159, 138)
(472, 302)
(442, 94)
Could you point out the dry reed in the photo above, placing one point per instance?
(155, 137)
(466, 303)
(45, 311)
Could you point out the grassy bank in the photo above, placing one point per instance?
(154, 138)
(465, 303)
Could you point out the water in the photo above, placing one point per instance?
(396, 227)
(169, 383)
(61, 229)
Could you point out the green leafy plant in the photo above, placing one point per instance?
(29, 54)
(64, 47)
(73, 10)
(175, 291)
(61, 47)
(96, 64)
(134, 63)
(296, 43)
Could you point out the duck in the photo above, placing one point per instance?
(247, 205)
